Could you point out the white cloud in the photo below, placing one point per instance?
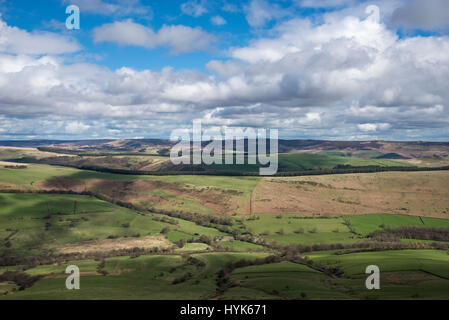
(370, 127)
(178, 38)
(259, 12)
(218, 20)
(76, 127)
(343, 78)
(418, 14)
(18, 41)
(194, 8)
(230, 7)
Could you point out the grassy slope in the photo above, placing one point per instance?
(94, 220)
(149, 277)
(283, 280)
(238, 188)
(33, 173)
(145, 277)
(405, 274)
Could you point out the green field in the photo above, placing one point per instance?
(241, 245)
(145, 277)
(45, 221)
(33, 173)
(283, 280)
(405, 274)
(306, 161)
(188, 261)
(366, 224)
(290, 229)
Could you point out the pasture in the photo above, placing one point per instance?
(300, 230)
(31, 223)
(332, 209)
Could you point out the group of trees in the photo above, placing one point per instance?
(204, 170)
(356, 247)
(411, 232)
(201, 219)
(20, 278)
(12, 258)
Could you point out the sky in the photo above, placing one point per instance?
(313, 69)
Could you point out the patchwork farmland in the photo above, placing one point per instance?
(165, 236)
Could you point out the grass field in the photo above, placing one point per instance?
(294, 230)
(334, 209)
(32, 223)
(405, 274)
(208, 194)
(306, 161)
(283, 280)
(25, 178)
(145, 277)
(366, 224)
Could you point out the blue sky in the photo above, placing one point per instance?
(44, 15)
(323, 69)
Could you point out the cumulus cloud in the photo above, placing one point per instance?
(230, 7)
(18, 41)
(194, 8)
(426, 15)
(178, 38)
(369, 127)
(259, 12)
(76, 127)
(218, 20)
(343, 78)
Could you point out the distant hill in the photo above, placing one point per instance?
(371, 149)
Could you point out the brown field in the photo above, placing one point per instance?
(411, 193)
(117, 244)
(13, 152)
(4, 163)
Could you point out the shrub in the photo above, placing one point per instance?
(313, 230)
(165, 230)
